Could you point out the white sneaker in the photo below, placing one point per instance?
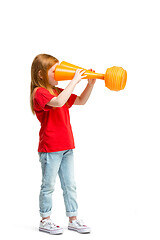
(48, 226)
(78, 225)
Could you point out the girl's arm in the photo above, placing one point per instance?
(82, 99)
(62, 98)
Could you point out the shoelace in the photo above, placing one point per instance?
(80, 222)
(49, 222)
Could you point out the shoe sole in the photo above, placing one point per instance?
(54, 232)
(79, 231)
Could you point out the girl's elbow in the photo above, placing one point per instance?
(59, 104)
(82, 103)
(56, 103)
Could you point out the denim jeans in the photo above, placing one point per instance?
(61, 163)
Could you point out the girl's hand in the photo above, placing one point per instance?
(78, 75)
(91, 81)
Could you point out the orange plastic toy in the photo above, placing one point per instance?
(115, 77)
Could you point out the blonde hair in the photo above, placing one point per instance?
(39, 74)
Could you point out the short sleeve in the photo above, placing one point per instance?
(41, 98)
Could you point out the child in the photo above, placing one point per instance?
(56, 143)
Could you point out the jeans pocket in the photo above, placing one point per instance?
(42, 156)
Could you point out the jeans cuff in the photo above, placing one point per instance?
(46, 214)
(71, 214)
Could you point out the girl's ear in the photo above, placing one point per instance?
(40, 74)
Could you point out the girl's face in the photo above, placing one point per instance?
(51, 79)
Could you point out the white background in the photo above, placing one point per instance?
(117, 134)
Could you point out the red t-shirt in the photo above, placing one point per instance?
(56, 131)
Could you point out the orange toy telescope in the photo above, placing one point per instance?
(115, 77)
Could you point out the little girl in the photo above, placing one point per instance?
(56, 143)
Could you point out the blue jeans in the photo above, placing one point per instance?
(61, 162)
